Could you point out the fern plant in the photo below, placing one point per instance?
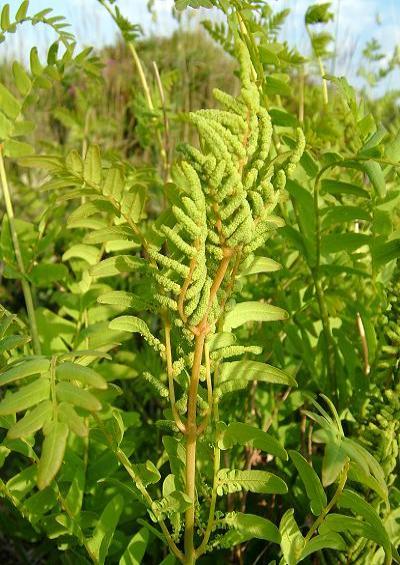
(125, 422)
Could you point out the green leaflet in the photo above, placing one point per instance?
(115, 265)
(147, 472)
(292, 542)
(105, 528)
(8, 103)
(31, 422)
(236, 375)
(88, 253)
(52, 453)
(259, 265)
(342, 523)
(123, 299)
(240, 433)
(92, 165)
(220, 340)
(114, 183)
(25, 397)
(75, 495)
(333, 186)
(252, 312)
(333, 462)
(12, 341)
(77, 396)
(136, 549)
(72, 371)
(234, 480)
(353, 501)
(77, 424)
(24, 369)
(47, 273)
(175, 501)
(314, 489)
(21, 484)
(249, 526)
(136, 325)
(330, 540)
(357, 474)
(21, 77)
(343, 242)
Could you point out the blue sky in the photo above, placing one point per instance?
(357, 22)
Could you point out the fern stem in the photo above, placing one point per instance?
(26, 289)
(200, 331)
(191, 429)
(204, 423)
(171, 387)
(217, 462)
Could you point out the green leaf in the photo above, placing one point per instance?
(114, 184)
(31, 422)
(92, 166)
(259, 265)
(236, 375)
(66, 392)
(16, 149)
(333, 462)
(135, 325)
(8, 103)
(349, 242)
(136, 549)
(52, 455)
(21, 77)
(292, 542)
(353, 501)
(247, 527)
(77, 424)
(116, 265)
(252, 312)
(314, 489)
(330, 540)
(341, 523)
(385, 252)
(11, 342)
(376, 176)
(105, 528)
(174, 502)
(22, 10)
(45, 274)
(239, 433)
(23, 370)
(6, 127)
(36, 66)
(234, 480)
(280, 117)
(5, 17)
(25, 397)
(147, 472)
(361, 456)
(122, 299)
(357, 474)
(318, 14)
(333, 186)
(88, 253)
(73, 371)
(342, 214)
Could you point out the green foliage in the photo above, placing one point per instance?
(187, 279)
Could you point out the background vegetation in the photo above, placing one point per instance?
(332, 266)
